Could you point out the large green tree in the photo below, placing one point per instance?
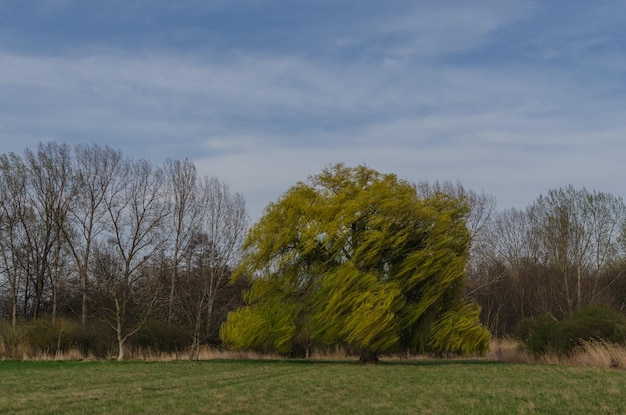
(357, 258)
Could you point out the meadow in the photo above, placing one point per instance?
(308, 387)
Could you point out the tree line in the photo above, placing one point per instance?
(91, 236)
(564, 252)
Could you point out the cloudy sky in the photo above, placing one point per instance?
(510, 97)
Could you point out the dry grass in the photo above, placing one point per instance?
(27, 353)
(336, 353)
(205, 353)
(600, 354)
(597, 353)
(508, 350)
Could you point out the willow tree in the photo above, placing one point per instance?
(356, 258)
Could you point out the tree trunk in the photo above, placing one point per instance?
(56, 276)
(83, 306)
(579, 294)
(170, 301)
(26, 296)
(121, 339)
(368, 356)
(39, 286)
(83, 285)
(568, 296)
(14, 308)
(54, 302)
(194, 352)
(120, 348)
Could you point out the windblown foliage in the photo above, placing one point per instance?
(355, 257)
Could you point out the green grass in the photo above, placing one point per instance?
(293, 387)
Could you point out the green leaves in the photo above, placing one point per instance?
(458, 331)
(268, 326)
(356, 308)
(355, 257)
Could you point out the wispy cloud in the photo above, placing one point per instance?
(491, 93)
(438, 29)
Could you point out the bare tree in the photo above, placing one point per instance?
(502, 278)
(95, 168)
(211, 256)
(579, 234)
(136, 211)
(85, 228)
(186, 212)
(482, 206)
(51, 193)
(561, 253)
(12, 210)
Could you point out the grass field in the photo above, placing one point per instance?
(305, 387)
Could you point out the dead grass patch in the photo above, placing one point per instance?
(205, 353)
(599, 353)
(595, 353)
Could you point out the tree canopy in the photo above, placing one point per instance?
(355, 257)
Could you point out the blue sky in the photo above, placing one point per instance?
(510, 97)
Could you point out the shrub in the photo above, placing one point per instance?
(45, 335)
(162, 337)
(95, 338)
(546, 334)
(11, 341)
(537, 335)
(593, 323)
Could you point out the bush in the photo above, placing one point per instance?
(537, 335)
(162, 337)
(547, 334)
(95, 338)
(11, 341)
(45, 335)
